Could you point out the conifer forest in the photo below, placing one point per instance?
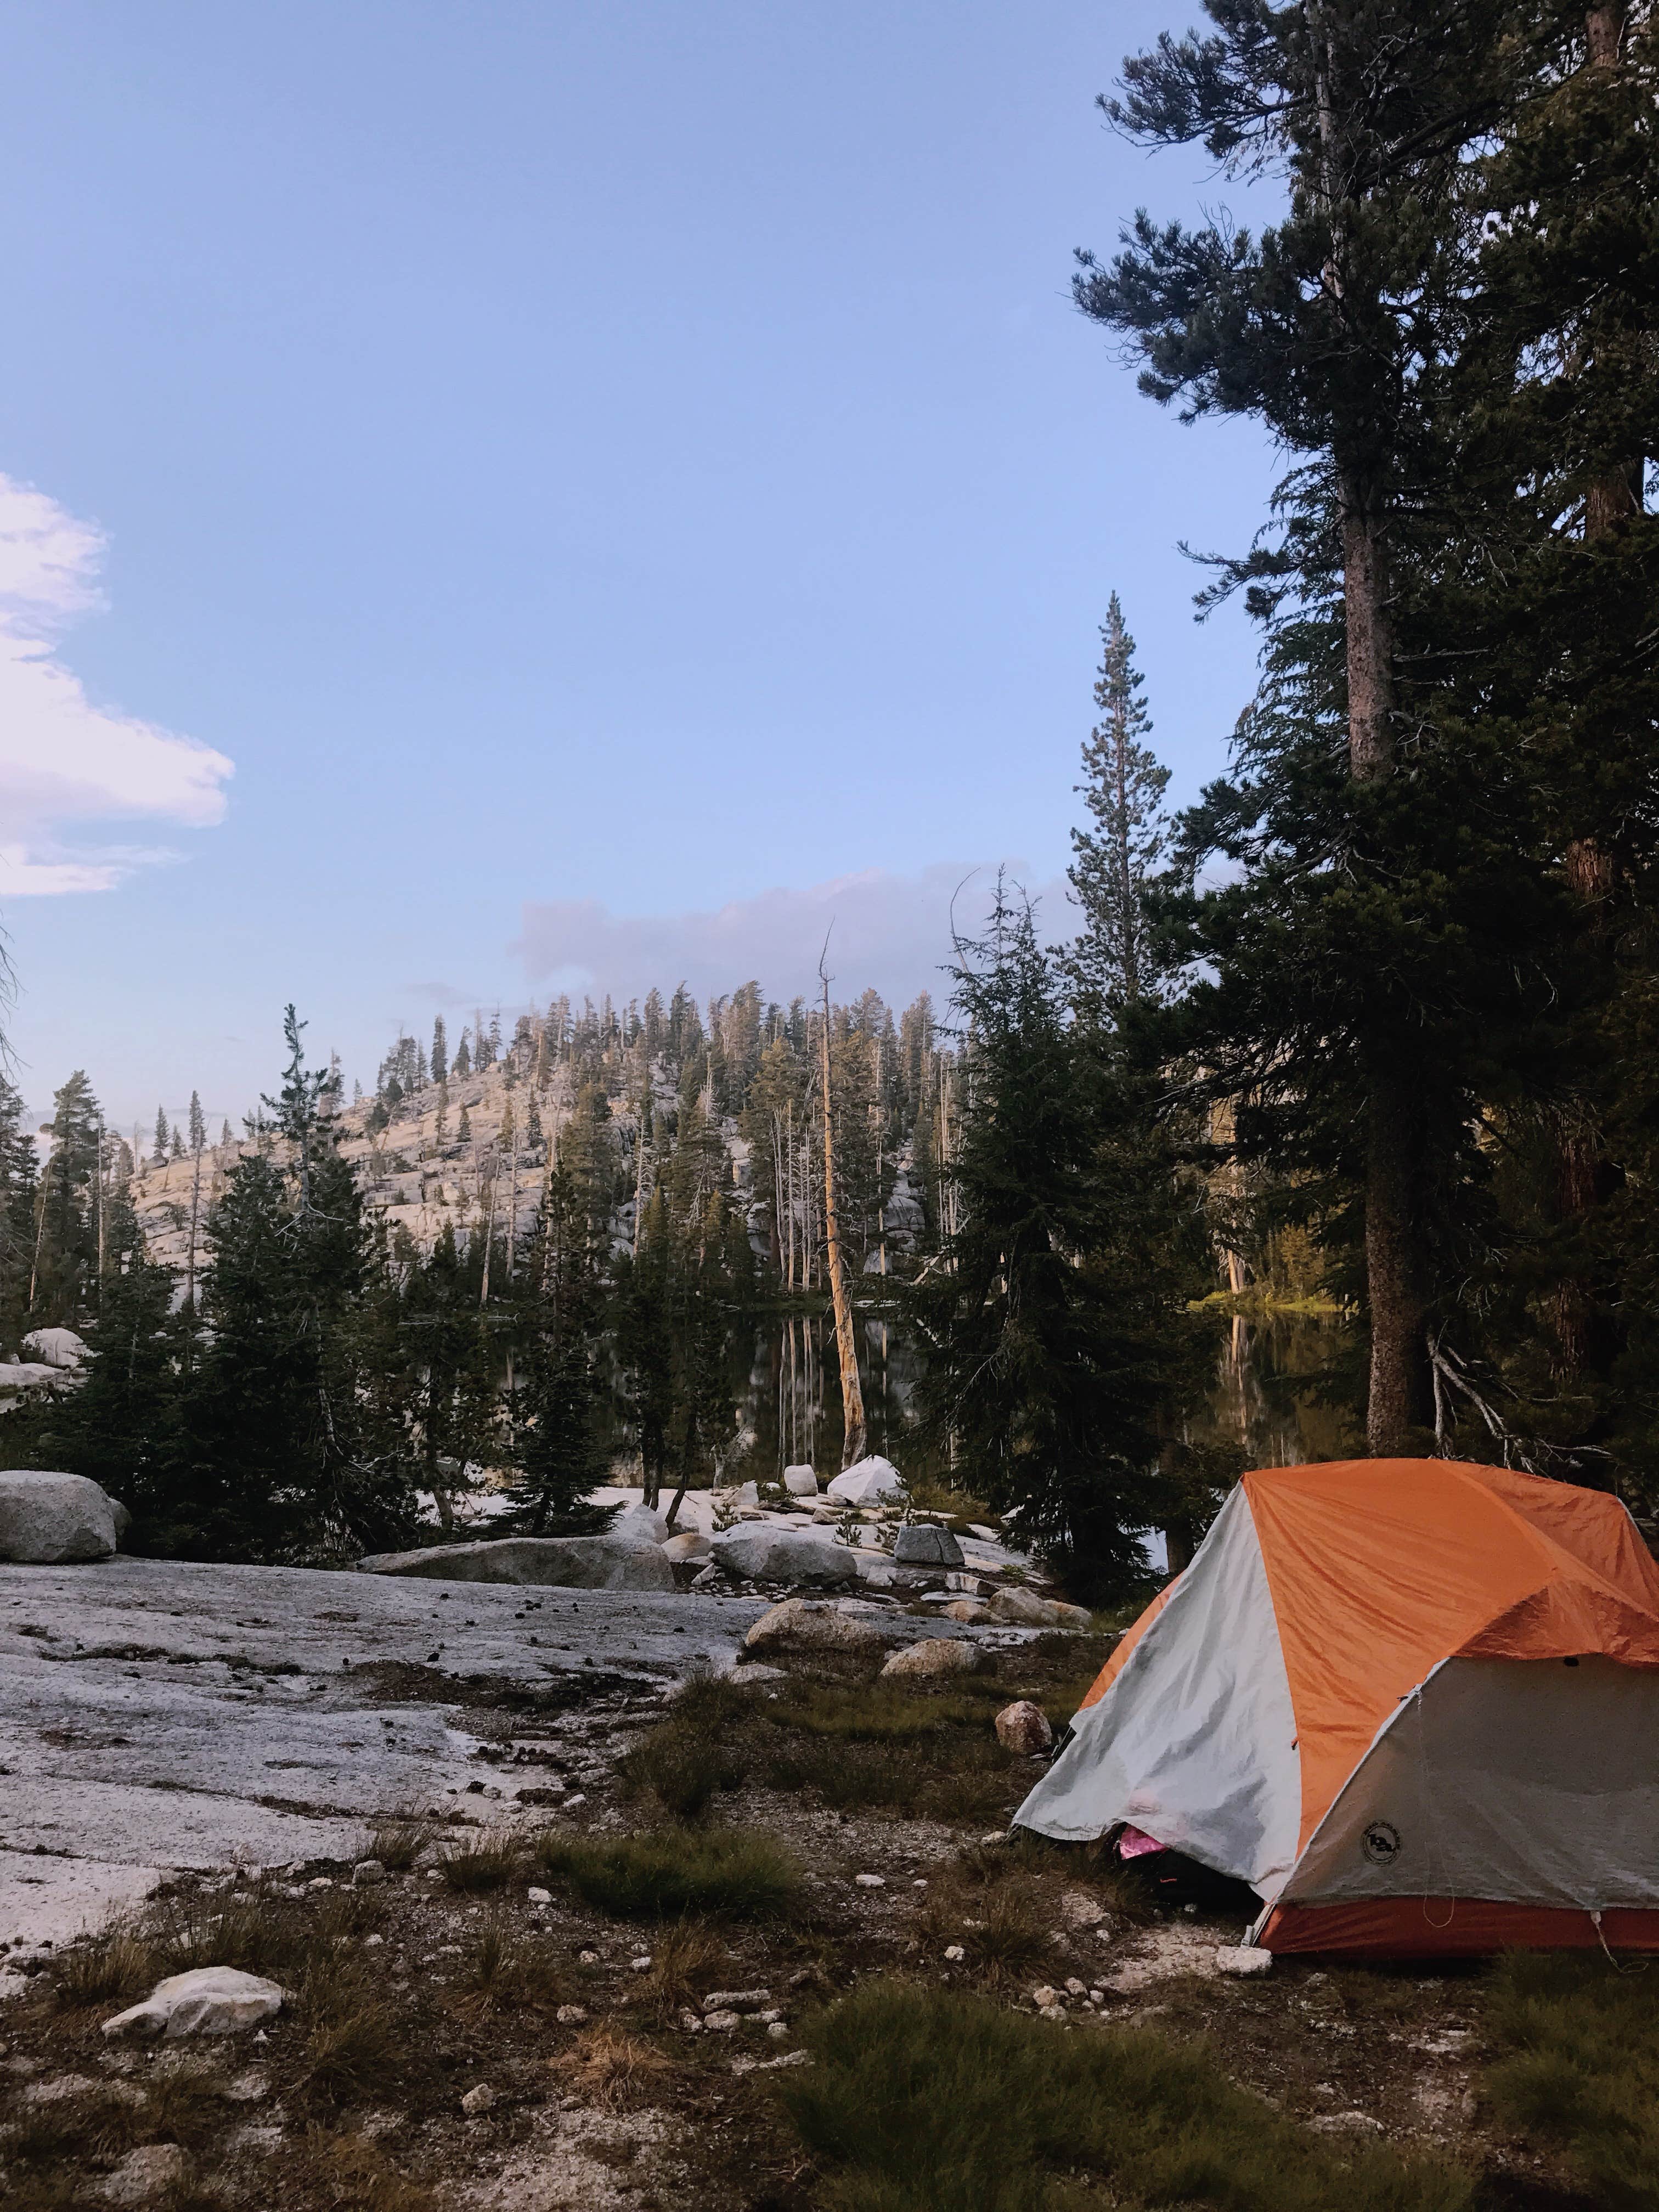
(1368, 1032)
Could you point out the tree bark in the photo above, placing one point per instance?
(852, 1394)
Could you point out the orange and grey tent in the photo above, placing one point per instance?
(1414, 1704)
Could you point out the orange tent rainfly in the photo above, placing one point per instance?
(1414, 1704)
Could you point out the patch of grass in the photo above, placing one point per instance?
(482, 1863)
(610, 2068)
(117, 1967)
(398, 1842)
(353, 2170)
(922, 2100)
(684, 1960)
(876, 1712)
(355, 2048)
(694, 1750)
(1579, 2067)
(670, 1874)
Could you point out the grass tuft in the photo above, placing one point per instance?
(482, 1863)
(684, 1960)
(117, 1967)
(398, 1842)
(610, 2068)
(353, 2050)
(922, 2100)
(1579, 2067)
(673, 1872)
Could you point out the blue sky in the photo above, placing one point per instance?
(601, 472)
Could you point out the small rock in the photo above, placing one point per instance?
(1343, 2123)
(954, 1951)
(1075, 1988)
(938, 1654)
(571, 1803)
(366, 1872)
(871, 1880)
(1026, 1609)
(1053, 2012)
(1077, 1911)
(1024, 1727)
(920, 1544)
(587, 1957)
(1045, 1997)
(967, 1610)
(720, 2023)
(540, 1896)
(250, 2088)
(735, 2000)
(571, 2015)
(1244, 1959)
(209, 2000)
(319, 1881)
(691, 2022)
(481, 2099)
(373, 1942)
(641, 1965)
(145, 2174)
(778, 2029)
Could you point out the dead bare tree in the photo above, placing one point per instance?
(852, 1393)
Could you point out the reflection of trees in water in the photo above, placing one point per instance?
(1269, 1389)
(791, 1406)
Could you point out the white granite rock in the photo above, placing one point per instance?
(938, 1654)
(207, 2000)
(800, 1481)
(53, 1520)
(632, 1561)
(799, 1625)
(763, 1552)
(866, 1482)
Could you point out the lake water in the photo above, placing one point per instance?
(1264, 1395)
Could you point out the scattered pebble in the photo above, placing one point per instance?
(587, 1957)
(540, 1896)
(641, 1965)
(871, 1880)
(954, 1951)
(481, 2099)
(720, 2023)
(571, 2015)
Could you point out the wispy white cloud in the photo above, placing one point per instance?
(889, 931)
(66, 764)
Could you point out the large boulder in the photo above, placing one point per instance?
(606, 1562)
(868, 1482)
(56, 1348)
(207, 2000)
(800, 1481)
(798, 1625)
(50, 1520)
(762, 1551)
(1024, 1727)
(921, 1544)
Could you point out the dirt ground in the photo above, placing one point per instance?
(517, 2053)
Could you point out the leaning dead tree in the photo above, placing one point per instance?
(852, 1395)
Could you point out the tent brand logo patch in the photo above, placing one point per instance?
(1381, 1843)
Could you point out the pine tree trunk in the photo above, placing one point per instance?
(852, 1395)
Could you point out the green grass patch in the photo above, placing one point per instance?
(482, 1863)
(922, 2100)
(1579, 2067)
(671, 1873)
(695, 1750)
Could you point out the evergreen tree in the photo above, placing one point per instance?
(559, 1454)
(439, 1049)
(176, 1144)
(198, 1127)
(159, 1151)
(1128, 839)
(1334, 329)
(463, 1066)
(63, 1271)
(1056, 1333)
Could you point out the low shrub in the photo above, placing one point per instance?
(609, 2068)
(1579, 2067)
(398, 1842)
(671, 1873)
(923, 2100)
